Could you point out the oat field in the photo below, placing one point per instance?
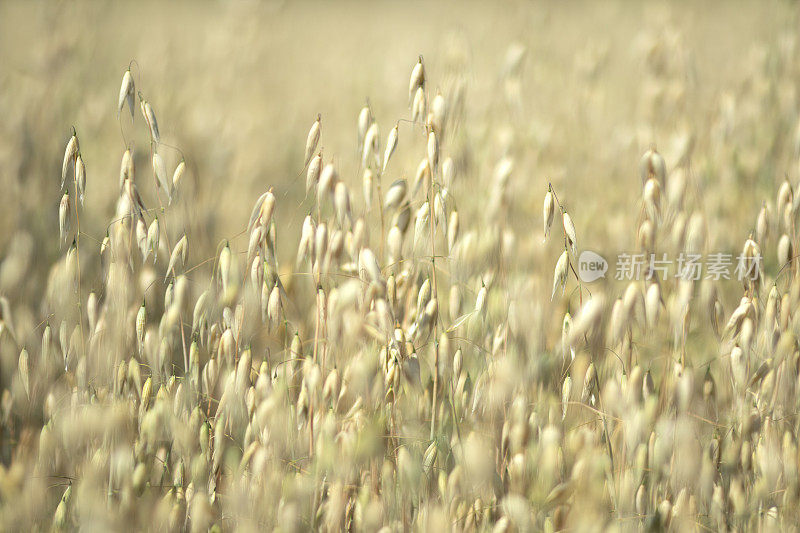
(400, 266)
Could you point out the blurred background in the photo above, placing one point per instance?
(236, 86)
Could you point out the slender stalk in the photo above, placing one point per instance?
(434, 287)
(78, 258)
(166, 236)
(380, 211)
(316, 328)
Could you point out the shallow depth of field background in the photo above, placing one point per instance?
(236, 86)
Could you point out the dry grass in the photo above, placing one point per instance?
(297, 311)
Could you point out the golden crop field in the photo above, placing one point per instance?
(327, 266)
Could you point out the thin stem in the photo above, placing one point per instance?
(380, 210)
(78, 258)
(316, 328)
(166, 236)
(436, 296)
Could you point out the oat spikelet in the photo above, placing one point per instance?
(92, 310)
(126, 92)
(153, 233)
(433, 151)
(80, 178)
(371, 146)
(179, 252)
(364, 121)
(652, 304)
(141, 320)
(70, 154)
(452, 230)
(588, 318)
(751, 263)
(61, 518)
(105, 245)
(327, 181)
(785, 196)
(424, 295)
(402, 217)
(569, 231)
(418, 108)
(368, 266)
(255, 243)
(548, 212)
(617, 323)
(785, 253)
(560, 273)
(313, 139)
(24, 371)
(6, 322)
(224, 266)
(341, 201)
(150, 119)
(395, 194)
(646, 235)
(652, 165)
(131, 192)
(306, 247)
(391, 144)
(421, 222)
(737, 317)
(160, 172)
(417, 79)
(448, 172)
(480, 301)
(141, 236)
(762, 225)
(274, 306)
(267, 209)
(71, 262)
(566, 392)
(589, 385)
(125, 168)
(63, 218)
(256, 212)
(652, 200)
(177, 176)
(313, 172)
